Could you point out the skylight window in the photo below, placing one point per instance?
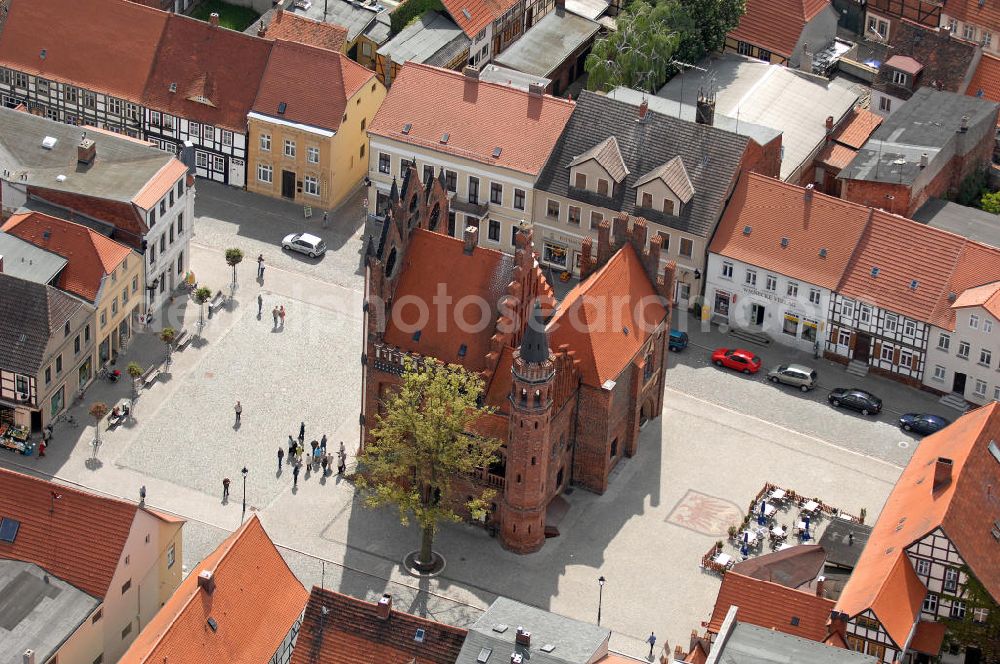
(444, 137)
(484, 655)
(419, 636)
(282, 106)
(747, 230)
(8, 529)
(496, 152)
(407, 127)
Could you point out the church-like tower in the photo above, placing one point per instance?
(529, 440)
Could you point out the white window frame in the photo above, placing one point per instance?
(847, 308)
(930, 603)
(980, 389)
(815, 296)
(864, 313)
(939, 373)
(891, 322)
(906, 358)
(974, 321)
(987, 325)
(944, 341)
(727, 270)
(384, 158)
(750, 279)
(201, 159)
(771, 283)
(310, 185)
(227, 138)
(985, 357)
(289, 150)
(265, 173)
(923, 566)
(265, 142)
(909, 327)
(885, 104)
(312, 155)
(887, 353)
(964, 348)
(793, 289)
(844, 338)
(899, 77)
(523, 196)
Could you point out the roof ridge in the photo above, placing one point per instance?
(424, 231)
(64, 486)
(500, 86)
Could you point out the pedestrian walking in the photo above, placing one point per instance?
(652, 642)
(291, 448)
(260, 266)
(322, 443)
(225, 488)
(239, 411)
(260, 304)
(325, 462)
(281, 315)
(341, 463)
(325, 219)
(342, 450)
(302, 432)
(274, 314)
(295, 474)
(41, 448)
(281, 457)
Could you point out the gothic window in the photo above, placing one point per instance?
(435, 214)
(390, 262)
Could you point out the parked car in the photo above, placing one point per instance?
(304, 243)
(678, 340)
(736, 358)
(864, 402)
(922, 423)
(795, 375)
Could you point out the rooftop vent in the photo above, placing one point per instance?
(500, 628)
(746, 230)
(484, 655)
(49, 142)
(523, 637)
(822, 253)
(516, 658)
(913, 284)
(173, 87)
(963, 125)
(496, 152)
(407, 127)
(444, 137)
(214, 625)
(952, 297)
(418, 636)
(784, 242)
(466, 14)
(889, 551)
(60, 178)
(548, 647)
(875, 271)
(282, 107)
(206, 580)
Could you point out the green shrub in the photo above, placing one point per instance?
(410, 10)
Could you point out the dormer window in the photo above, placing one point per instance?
(647, 200)
(580, 181)
(900, 78)
(668, 206)
(602, 186)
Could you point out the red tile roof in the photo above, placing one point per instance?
(588, 319)
(474, 15)
(903, 250)
(160, 184)
(83, 43)
(90, 255)
(771, 606)
(978, 264)
(984, 14)
(986, 296)
(477, 116)
(256, 600)
(440, 262)
(883, 579)
(855, 129)
(773, 210)
(836, 156)
(294, 28)
(986, 78)
(120, 214)
(313, 83)
(776, 24)
(904, 63)
(928, 637)
(211, 63)
(78, 537)
(352, 633)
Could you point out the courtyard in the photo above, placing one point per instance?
(720, 439)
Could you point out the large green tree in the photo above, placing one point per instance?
(422, 445)
(976, 628)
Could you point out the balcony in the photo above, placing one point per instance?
(489, 479)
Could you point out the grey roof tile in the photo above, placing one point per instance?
(30, 313)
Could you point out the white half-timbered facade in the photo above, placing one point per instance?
(219, 154)
(885, 340)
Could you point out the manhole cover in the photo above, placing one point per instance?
(904, 444)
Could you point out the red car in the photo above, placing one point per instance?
(736, 358)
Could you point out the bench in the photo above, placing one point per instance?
(149, 375)
(216, 302)
(182, 340)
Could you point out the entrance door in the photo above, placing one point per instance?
(959, 384)
(288, 184)
(862, 346)
(757, 315)
(237, 175)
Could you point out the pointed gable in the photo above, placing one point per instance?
(674, 175)
(608, 155)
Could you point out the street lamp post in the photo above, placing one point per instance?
(243, 516)
(600, 597)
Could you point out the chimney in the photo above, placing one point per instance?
(516, 658)
(603, 242)
(964, 125)
(705, 108)
(28, 657)
(86, 151)
(838, 623)
(471, 237)
(522, 637)
(829, 125)
(806, 60)
(536, 89)
(279, 11)
(471, 73)
(384, 607)
(643, 109)
(923, 160)
(261, 30)
(809, 192)
(820, 586)
(213, 19)
(206, 580)
(942, 473)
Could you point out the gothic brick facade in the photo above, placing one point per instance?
(570, 383)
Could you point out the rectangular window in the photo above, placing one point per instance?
(227, 137)
(957, 610)
(944, 341)
(909, 328)
(887, 353)
(980, 389)
(666, 242)
(950, 580)
(974, 321)
(311, 185)
(473, 190)
(987, 326)
(428, 173)
(574, 215)
(890, 322)
(384, 163)
(163, 208)
(743, 48)
(97, 616)
(791, 325)
(180, 223)
(519, 199)
(496, 193)
(939, 372)
(126, 631)
(289, 147)
(219, 162)
(163, 243)
(76, 344)
(980, 614)
(985, 357)
(115, 106)
(168, 122)
(312, 155)
(930, 603)
(451, 181)
(201, 159)
(552, 209)
(194, 130)
(403, 165)
(170, 556)
(59, 360)
(595, 219)
(727, 270)
(42, 86)
(265, 173)
(71, 94)
(987, 40)
(963, 349)
(847, 309)
(361, 151)
(647, 200)
(906, 359)
(771, 283)
(751, 278)
(668, 206)
(809, 329)
(48, 374)
(686, 248)
(494, 231)
(580, 181)
(864, 313)
(899, 78)
(844, 338)
(792, 290)
(209, 133)
(86, 333)
(602, 187)
(171, 233)
(923, 566)
(884, 104)
(126, 586)
(969, 32)
(513, 236)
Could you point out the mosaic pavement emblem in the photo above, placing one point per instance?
(704, 514)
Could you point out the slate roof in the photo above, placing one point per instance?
(90, 256)
(986, 79)
(304, 30)
(352, 633)
(256, 600)
(776, 24)
(30, 313)
(220, 65)
(674, 175)
(607, 154)
(750, 644)
(477, 116)
(574, 641)
(932, 57)
(67, 29)
(711, 157)
(432, 39)
(24, 260)
(588, 317)
(548, 43)
(78, 537)
(355, 17)
(793, 567)
(313, 83)
(841, 550)
(971, 223)
(884, 579)
(771, 606)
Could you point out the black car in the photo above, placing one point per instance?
(921, 423)
(865, 403)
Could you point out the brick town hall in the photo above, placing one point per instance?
(569, 393)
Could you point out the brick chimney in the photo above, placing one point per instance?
(942, 473)
(820, 586)
(806, 60)
(522, 637)
(471, 238)
(829, 125)
(384, 607)
(471, 73)
(86, 151)
(213, 19)
(838, 623)
(643, 109)
(206, 581)
(261, 30)
(704, 111)
(536, 89)
(28, 657)
(809, 192)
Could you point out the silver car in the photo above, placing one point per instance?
(797, 375)
(304, 243)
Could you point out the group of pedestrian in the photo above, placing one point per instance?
(318, 457)
(278, 313)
